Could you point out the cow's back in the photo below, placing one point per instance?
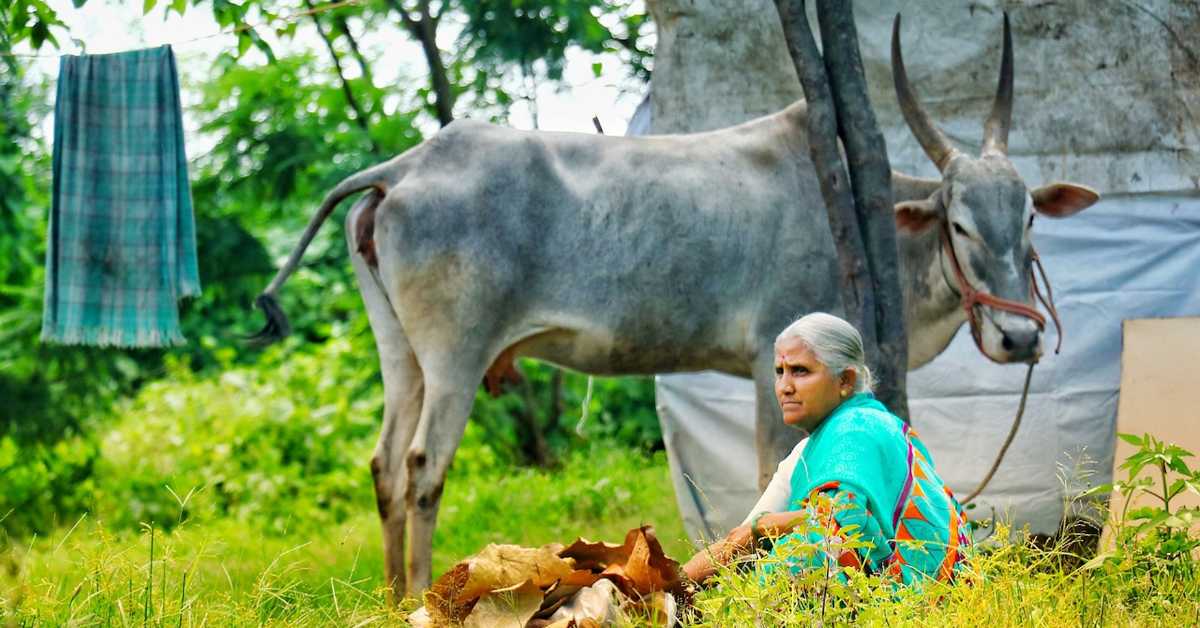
(682, 252)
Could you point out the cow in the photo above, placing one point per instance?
(633, 256)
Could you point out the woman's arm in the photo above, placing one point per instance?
(705, 563)
(739, 543)
(779, 490)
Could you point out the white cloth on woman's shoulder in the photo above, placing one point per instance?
(779, 490)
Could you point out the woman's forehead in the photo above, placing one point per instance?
(793, 350)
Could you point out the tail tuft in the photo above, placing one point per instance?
(277, 326)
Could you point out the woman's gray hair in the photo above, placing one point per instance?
(836, 343)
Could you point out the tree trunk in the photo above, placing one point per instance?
(860, 206)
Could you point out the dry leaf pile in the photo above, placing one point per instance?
(583, 585)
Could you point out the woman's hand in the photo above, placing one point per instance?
(705, 563)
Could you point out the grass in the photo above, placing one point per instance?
(227, 573)
(224, 572)
(264, 516)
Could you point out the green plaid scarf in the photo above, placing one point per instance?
(122, 242)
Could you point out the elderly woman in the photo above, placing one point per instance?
(861, 466)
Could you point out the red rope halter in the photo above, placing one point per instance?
(972, 297)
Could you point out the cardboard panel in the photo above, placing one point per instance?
(1159, 392)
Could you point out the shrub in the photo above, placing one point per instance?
(275, 447)
(44, 485)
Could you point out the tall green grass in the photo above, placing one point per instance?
(223, 571)
(226, 572)
(245, 499)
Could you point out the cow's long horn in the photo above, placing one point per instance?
(932, 140)
(995, 130)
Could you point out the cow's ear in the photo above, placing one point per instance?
(1059, 200)
(917, 216)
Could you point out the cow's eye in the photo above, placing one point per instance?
(960, 231)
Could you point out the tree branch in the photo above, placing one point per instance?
(344, 28)
(424, 30)
(359, 116)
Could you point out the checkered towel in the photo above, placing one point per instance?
(122, 243)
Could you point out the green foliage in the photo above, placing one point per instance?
(519, 32)
(550, 403)
(264, 450)
(272, 445)
(31, 20)
(44, 484)
(260, 449)
(510, 46)
(275, 138)
(1154, 536)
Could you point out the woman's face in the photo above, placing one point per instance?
(806, 390)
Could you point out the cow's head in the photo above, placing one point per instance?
(986, 212)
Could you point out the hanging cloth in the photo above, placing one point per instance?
(121, 247)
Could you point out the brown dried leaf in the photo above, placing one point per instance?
(454, 594)
(512, 607)
(640, 561)
(595, 556)
(444, 601)
(648, 568)
(504, 566)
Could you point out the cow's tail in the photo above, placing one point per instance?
(379, 177)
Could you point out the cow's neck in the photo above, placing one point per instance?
(932, 305)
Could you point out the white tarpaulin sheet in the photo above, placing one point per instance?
(1106, 95)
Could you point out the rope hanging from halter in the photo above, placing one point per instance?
(971, 298)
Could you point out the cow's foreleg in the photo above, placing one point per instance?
(773, 439)
(449, 393)
(402, 389)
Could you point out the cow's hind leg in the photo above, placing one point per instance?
(451, 377)
(402, 390)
